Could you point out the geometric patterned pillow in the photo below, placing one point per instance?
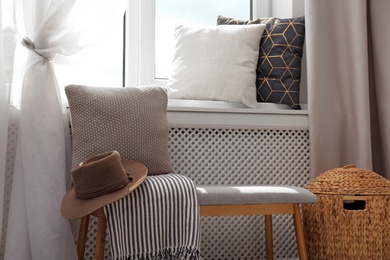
(279, 65)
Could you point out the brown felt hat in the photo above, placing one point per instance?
(100, 181)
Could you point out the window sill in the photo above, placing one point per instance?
(220, 114)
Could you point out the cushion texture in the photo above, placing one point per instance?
(132, 121)
(215, 63)
(279, 62)
(252, 194)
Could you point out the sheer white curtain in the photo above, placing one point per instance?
(48, 31)
(348, 63)
(3, 123)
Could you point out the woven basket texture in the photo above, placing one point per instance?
(333, 232)
(349, 180)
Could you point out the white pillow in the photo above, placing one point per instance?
(216, 63)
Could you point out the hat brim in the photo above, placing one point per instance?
(73, 207)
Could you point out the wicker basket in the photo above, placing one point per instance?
(351, 219)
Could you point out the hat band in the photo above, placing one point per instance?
(102, 190)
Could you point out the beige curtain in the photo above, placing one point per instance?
(348, 68)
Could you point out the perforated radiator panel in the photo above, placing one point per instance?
(240, 156)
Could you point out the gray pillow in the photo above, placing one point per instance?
(132, 121)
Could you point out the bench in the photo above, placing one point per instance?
(231, 200)
(267, 200)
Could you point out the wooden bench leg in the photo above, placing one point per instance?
(83, 232)
(269, 246)
(299, 233)
(101, 235)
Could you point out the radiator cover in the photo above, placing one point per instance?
(240, 156)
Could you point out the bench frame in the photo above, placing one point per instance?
(211, 210)
(267, 210)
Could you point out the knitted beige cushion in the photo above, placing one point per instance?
(132, 121)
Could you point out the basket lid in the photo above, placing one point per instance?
(349, 180)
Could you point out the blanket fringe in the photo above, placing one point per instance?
(182, 253)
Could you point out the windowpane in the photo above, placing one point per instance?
(199, 12)
(99, 64)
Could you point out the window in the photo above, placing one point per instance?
(101, 62)
(138, 52)
(149, 29)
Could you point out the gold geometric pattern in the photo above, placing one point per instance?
(279, 64)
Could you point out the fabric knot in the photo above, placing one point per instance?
(28, 43)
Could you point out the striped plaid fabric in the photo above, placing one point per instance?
(159, 220)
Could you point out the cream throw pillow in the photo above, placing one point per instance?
(215, 63)
(132, 121)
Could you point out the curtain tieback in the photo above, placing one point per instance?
(28, 43)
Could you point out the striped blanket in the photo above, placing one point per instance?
(159, 220)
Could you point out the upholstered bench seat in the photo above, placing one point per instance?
(228, 200)
(253, 194)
